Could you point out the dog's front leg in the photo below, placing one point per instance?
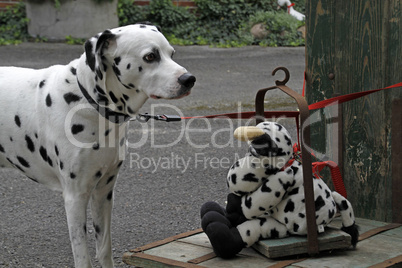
(76, 210)
(101, 210)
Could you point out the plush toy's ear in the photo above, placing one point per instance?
(94, 50)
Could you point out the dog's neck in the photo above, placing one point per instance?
(104, 92)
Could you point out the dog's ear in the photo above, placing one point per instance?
(95, 48)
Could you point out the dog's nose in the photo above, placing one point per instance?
(187, 80)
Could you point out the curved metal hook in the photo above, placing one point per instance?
(287, 76)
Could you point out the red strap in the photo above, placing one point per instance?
(348, 97)
(335, 175)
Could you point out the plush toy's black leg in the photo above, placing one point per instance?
(234, 211)
(212, 206)
(225, 239)
(353, 231)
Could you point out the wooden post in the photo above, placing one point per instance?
(358, 44)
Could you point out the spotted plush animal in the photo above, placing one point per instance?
(266, 197)
(64, 126)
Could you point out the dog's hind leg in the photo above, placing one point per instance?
(101, 210)
(76, 209)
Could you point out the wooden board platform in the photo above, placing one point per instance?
(381, 246)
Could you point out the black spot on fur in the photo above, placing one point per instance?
(288, 140)
(48, 100)
(110, 179)
(295, 169)
(42, 83)
(100, 90)
(117, 60)
(250, 177)
(98, 174)
(248, 202)
(265, 188)
(56, 150)
(343, 205)
(294, 191)
(130, 110)
(71, 97)
(126, 97)
(233, 178)
(116, 70)
(277, 194)
(274, 233)
(290, 206)
(77, 128)
(23, 161)
(68, 82)
(43, 153)
(262, 221)
(107, 132)
(279, 127)
(128, 66)
(110, 195)
(95, 146)
(30, 144)
(295, 227)
(331, 214)
(73, 71)
(97, 228)
(120, 163)
(140, 69)
(61, 165)
(301, 215)
(327, 194)
(113, 97)
(319, 203)
(17, 121)
(72, 175)
(271, 170)
(1, 149)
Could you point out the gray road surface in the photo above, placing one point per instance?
(171, 169)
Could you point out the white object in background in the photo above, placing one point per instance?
(291, 10)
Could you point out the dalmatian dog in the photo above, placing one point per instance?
(266, 197)
(63, 126)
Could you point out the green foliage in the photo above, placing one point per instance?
(13, 25)
(280, 27)
(220, 23)
(74, 41)
(129, 13)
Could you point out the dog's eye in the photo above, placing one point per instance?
(150, 57)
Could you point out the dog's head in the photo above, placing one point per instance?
(135, 60)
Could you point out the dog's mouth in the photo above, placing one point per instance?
(152, 96)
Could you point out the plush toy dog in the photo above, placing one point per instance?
(267, 196)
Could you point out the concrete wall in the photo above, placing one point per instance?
(76, 18)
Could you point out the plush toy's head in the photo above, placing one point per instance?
(268, 141)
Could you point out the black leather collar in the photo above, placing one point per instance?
(110, 115)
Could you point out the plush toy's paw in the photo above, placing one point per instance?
(353, 231)
(225, 240)
(211, 206)
(233, 210)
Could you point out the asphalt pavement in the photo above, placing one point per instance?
(170, 170)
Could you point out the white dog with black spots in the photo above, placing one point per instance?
(266, 198)
(64, 126)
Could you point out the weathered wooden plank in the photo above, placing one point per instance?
(179, 251)
(371, 251)
(275, 248)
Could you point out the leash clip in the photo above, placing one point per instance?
(167, 118)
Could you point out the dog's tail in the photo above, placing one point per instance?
(348, 217)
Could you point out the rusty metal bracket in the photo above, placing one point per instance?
(304, 126)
